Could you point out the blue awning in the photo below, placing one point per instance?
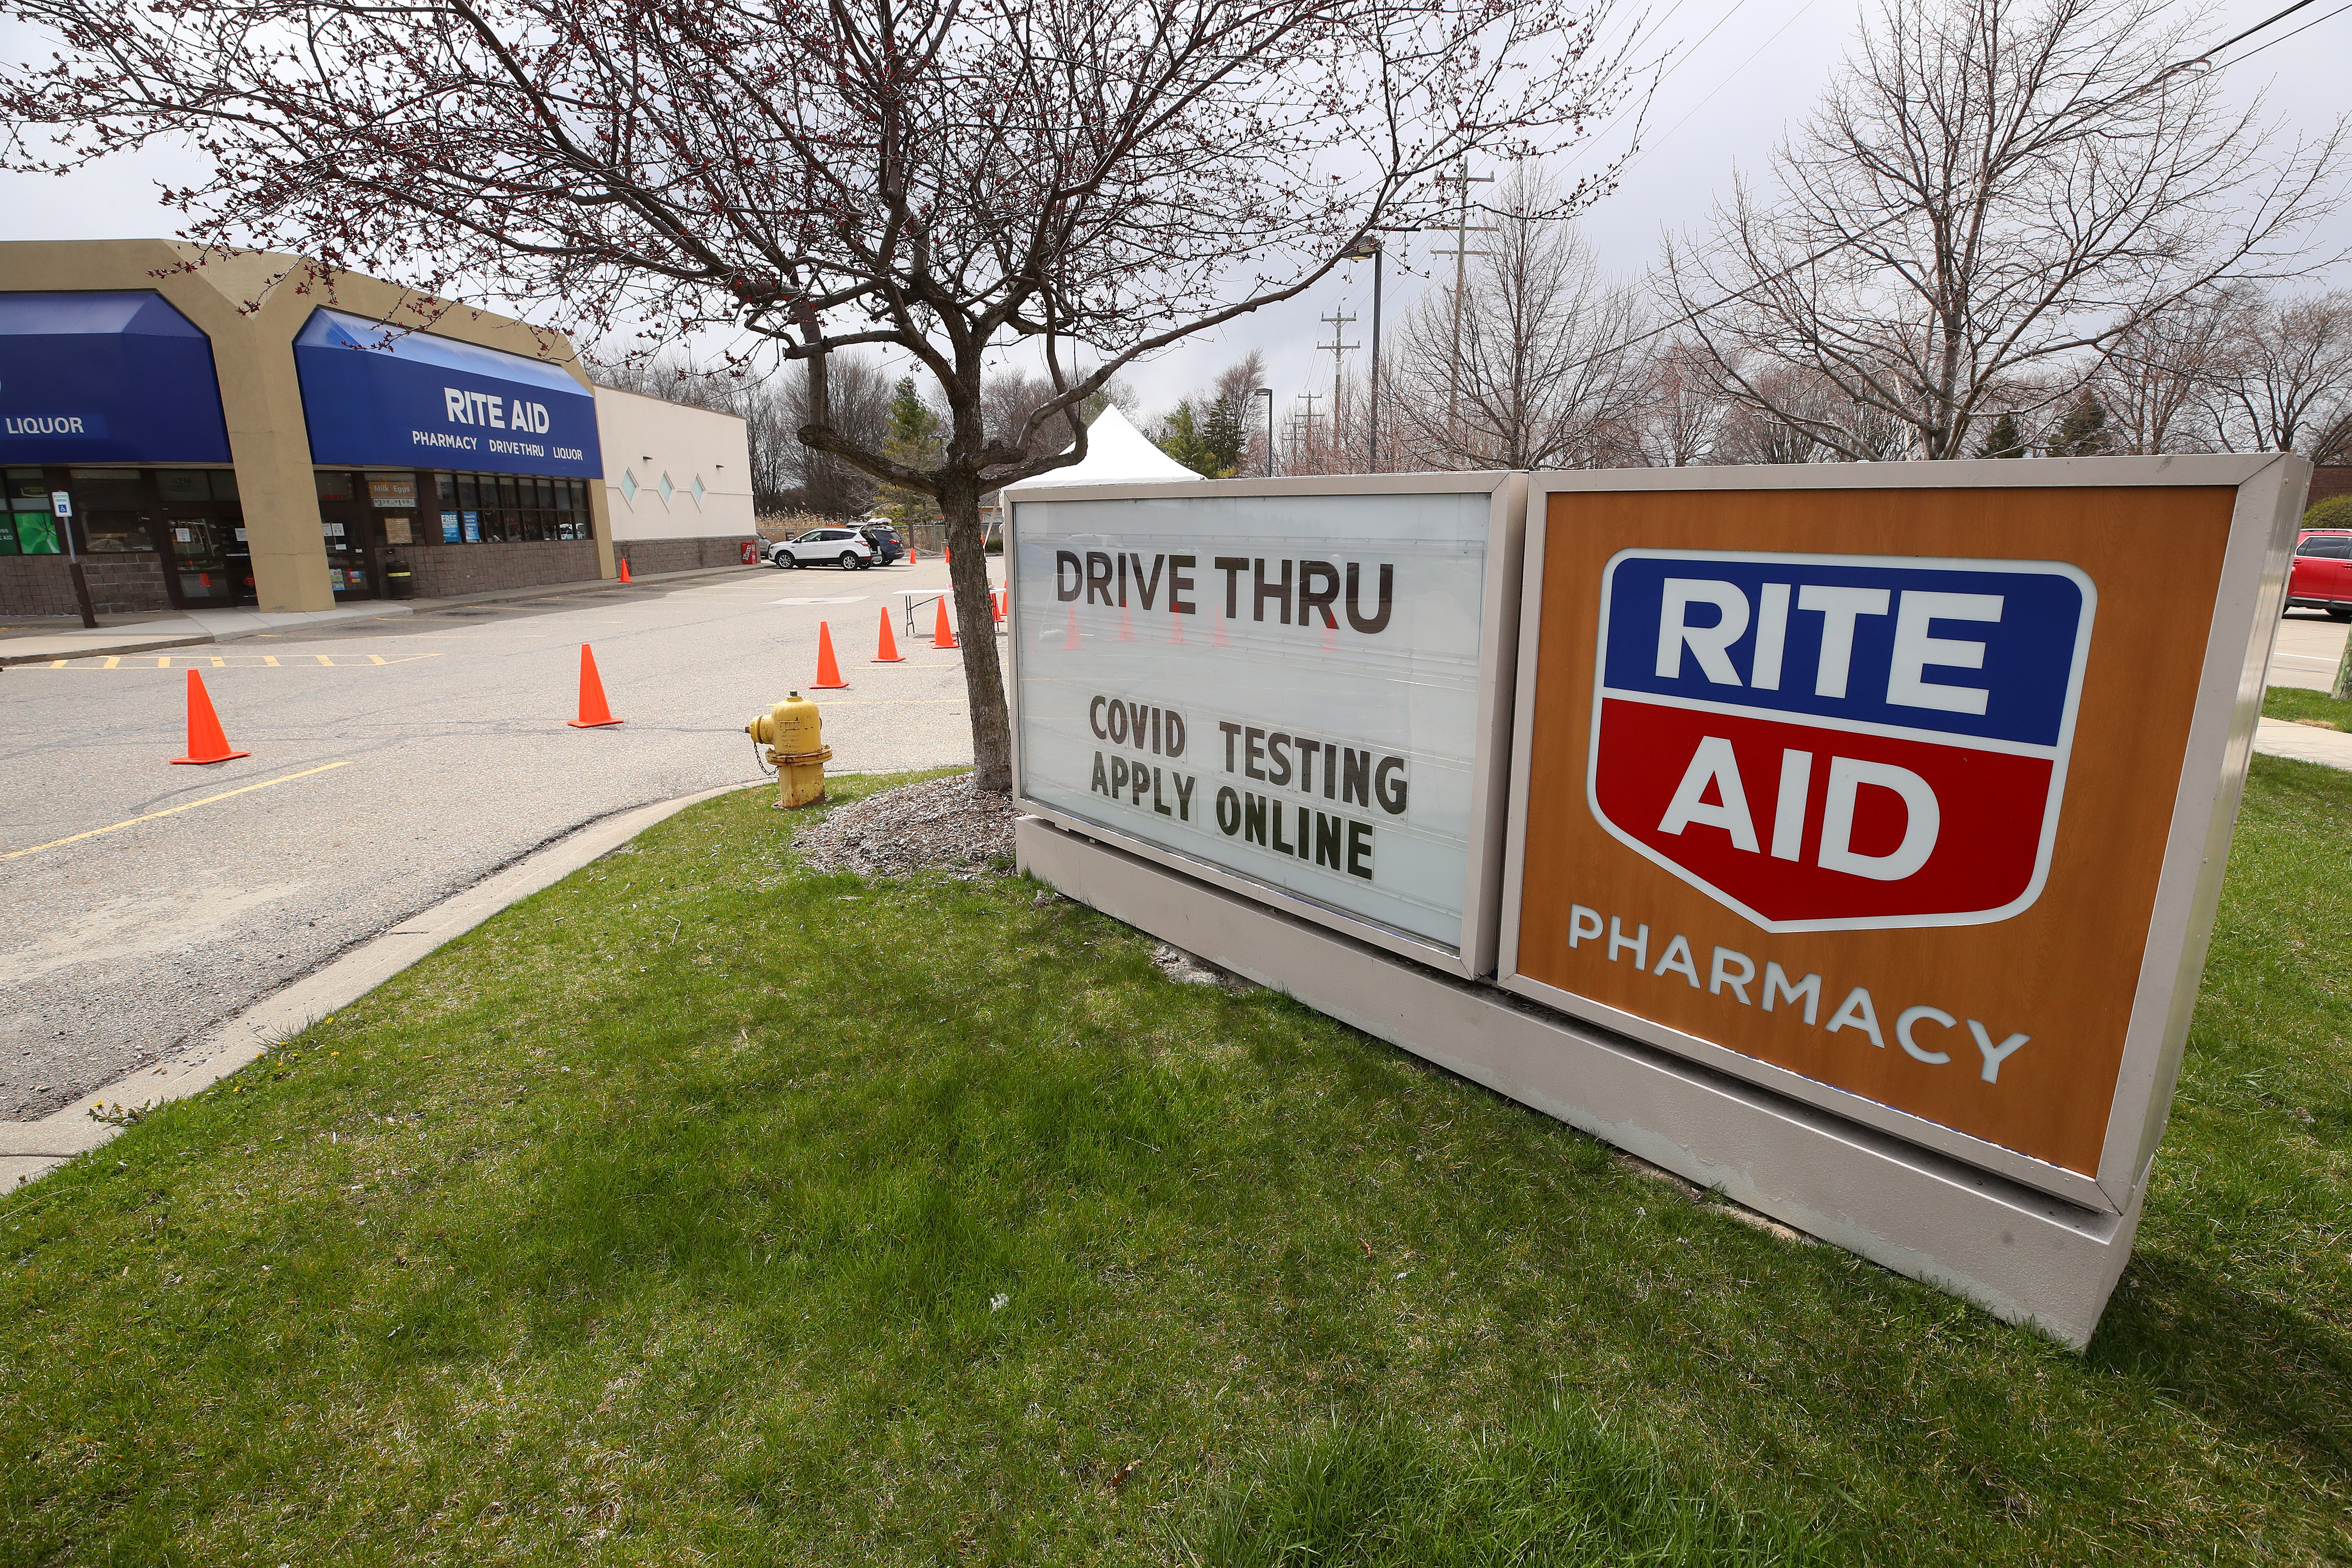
(380, 397)
(106, 378)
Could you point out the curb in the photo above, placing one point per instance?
(390, 607)
(30, 1149)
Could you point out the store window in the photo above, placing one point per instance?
(113, 507)
(25, 526)
(505, 508)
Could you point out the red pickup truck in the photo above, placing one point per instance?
(2321, 577)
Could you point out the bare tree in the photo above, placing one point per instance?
(785, 475)
(1681, 409)
(2288, 378)
(1533, 372)
(1991, 188)
(1096, 178)
(2162, 377)
(1755, 429)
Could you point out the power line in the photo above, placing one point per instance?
(1687, 56)
(2258, 48)
(2258, 27)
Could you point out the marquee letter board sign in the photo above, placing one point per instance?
(1291, 689)
(1902, 791)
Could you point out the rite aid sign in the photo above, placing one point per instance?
(1899, 789)
(1833, 742)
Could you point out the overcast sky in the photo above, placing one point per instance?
(1739, 73)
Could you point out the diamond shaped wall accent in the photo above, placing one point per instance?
(697, 489)
(629, 486)
(667, 489)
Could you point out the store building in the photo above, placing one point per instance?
(250, 430)
(677, 482)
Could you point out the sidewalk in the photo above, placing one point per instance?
(2303, 743)
(63, 638)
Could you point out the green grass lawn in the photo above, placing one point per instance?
(2293, 703)
(701, 1208)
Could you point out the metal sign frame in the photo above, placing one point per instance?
(2249, 599)
(1498, 631)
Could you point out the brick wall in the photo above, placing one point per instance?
(43, 584)
(681, 555)
(2332, 481)
(442, 571)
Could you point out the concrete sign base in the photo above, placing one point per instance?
(2025, 1256)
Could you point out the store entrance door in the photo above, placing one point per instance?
(210, 566)
(352, 556)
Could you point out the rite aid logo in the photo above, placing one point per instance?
(1839, 743)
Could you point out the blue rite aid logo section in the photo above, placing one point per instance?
(1839, 743)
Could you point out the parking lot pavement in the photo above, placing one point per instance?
(2309, 645)
(393, 762)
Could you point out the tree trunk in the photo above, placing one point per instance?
(983, 672)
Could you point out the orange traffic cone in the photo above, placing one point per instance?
(914, 556)
(828, 673)
(942, 634)
(1176, 630)
(1217, 638)
(886, 651)
(996, 606)
(1126, 625)
(625, 569)
(1330, 636)
(206, 741)
(594, 713)
(1070, 638)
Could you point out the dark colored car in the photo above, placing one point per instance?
(2321, 577)
(885, 542)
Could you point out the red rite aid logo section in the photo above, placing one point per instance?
(1839, 743)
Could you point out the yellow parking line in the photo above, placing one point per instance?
(172, 810)
(111, 664)
(269, 660)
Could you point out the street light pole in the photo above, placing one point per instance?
(1269, 430)
(1371, 248)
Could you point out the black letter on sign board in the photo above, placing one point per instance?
(1277, 758)
(1252, 818)
(1094, 719)
(1313, 598)
(1229, 811)
(1277, 592)
(1099, 578)
(1356, 599)
(1389, 790)
(1327, 840)
(1357, 785)
(1233, 566)
(1175, 733)
(1180, 583)
(1147, 588)
(1359, 850)
(1069, 575)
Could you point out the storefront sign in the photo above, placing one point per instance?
(1894, 796)
(376, 396)
(114, 377)
(1293, 694)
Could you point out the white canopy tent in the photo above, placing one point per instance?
(1117, 453)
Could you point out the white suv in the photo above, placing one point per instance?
(843, 547)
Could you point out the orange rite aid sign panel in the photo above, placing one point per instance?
(1866, 793)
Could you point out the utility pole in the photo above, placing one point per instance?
(1339, 351)
(1460, 252)
(1306, 422)
(1268, 391)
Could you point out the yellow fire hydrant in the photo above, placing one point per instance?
(795, 736)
